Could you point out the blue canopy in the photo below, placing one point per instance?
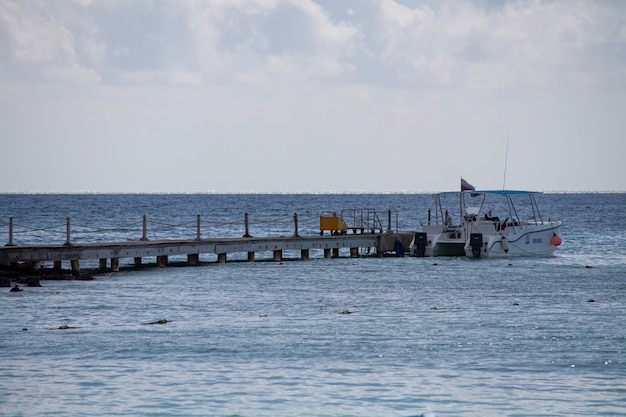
(502, 192)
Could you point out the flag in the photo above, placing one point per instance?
(466, 186)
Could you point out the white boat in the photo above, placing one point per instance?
(477, 233)
(441, 235)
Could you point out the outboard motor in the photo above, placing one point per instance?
(420, 241)
(476, 242)
(399, 248)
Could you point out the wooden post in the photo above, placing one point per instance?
(221, 258)
(198, 227)
(115, 264)
(138, 261)
(67, 232)
(304, 254)
(102, 264)
(335, 252)
(250, 256)
(10, 232)
(295, 221)
(144, 228)
(278, 255)
(193, 258)
(354, 252)
(388, 221)
(245, 222)
(327, 253)
(57, 265)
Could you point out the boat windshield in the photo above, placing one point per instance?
(511, 204)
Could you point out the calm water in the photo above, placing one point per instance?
(451, 336)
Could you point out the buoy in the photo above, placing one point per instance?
(556, 240)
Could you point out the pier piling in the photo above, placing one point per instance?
(75, 264)
(193, 258)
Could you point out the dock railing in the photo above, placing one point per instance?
(368, 220)
(145, 229)
(151, 228)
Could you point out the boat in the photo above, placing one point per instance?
(441, 235)
(519, 229)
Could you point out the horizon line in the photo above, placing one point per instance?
(285, 192)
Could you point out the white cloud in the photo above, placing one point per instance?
(41, 40)
(365, 88)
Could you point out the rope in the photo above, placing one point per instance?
(32, 229)
(83, 230)
(220, 223)
(172, 225)
(110, 229)
(278, 220)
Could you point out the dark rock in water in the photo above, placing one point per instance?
(161, 321)
(33, 282)
(56, 276)
(591, 300)
(84, 278)
(346, 312)
(16, 288)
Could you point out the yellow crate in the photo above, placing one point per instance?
(332, 223)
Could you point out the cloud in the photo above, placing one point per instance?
(475, 45)
(341, 92)
(263, 40)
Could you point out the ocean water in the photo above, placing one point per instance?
(447, 336)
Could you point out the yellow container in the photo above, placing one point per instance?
(332, 223)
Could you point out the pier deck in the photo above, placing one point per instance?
(162, 249)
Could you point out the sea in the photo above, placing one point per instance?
(424, 336)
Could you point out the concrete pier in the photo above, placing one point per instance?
(162, 249)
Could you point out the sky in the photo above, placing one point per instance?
(312, 96)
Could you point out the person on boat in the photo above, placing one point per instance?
(488, 217)
(448, 221)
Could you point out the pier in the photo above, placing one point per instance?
(363, 236)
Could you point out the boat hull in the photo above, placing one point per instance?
(532, 240)
(439, 242)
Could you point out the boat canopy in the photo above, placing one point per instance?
(503, 192)
(498, 192)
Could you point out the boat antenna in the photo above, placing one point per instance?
(506, 159)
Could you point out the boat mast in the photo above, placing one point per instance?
(506, 159)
